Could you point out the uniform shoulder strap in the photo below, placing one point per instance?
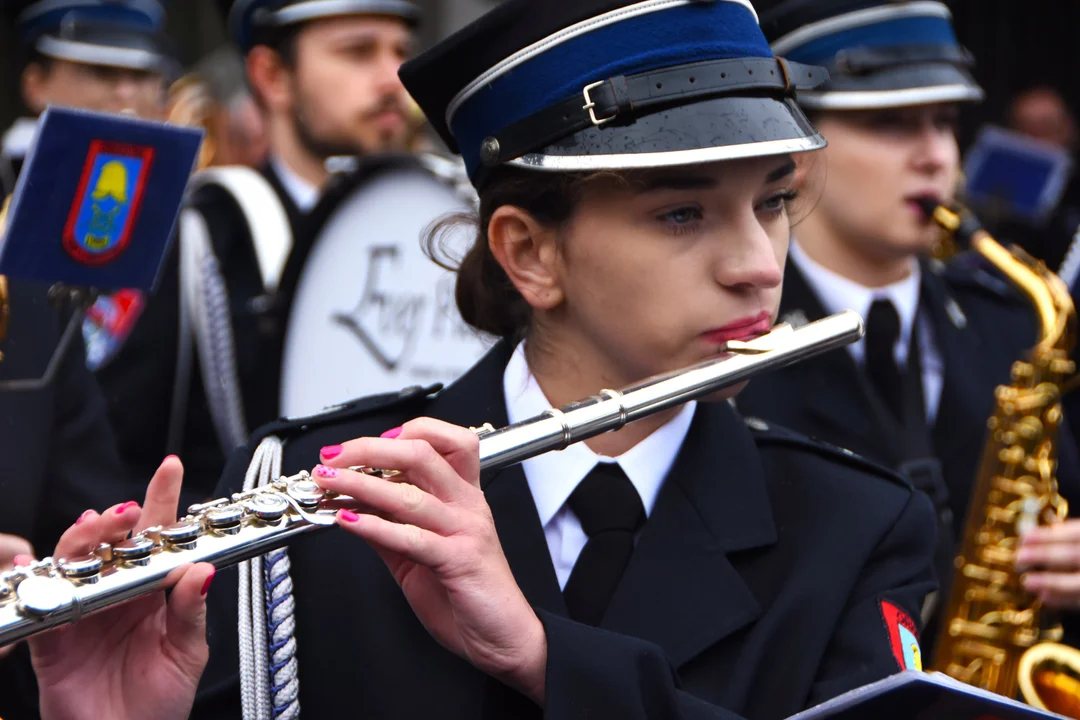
(767, 434)
(271, 233)
(287, 427)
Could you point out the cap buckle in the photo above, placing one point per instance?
(591, 106)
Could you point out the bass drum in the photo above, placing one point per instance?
(368, 311)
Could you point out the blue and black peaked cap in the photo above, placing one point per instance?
(879, 53)
(114, 33)
(580, 85)
(252, 21)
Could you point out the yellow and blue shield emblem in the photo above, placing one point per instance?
(107, 203)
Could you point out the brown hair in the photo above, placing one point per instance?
(486, 298)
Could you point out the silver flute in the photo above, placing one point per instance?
(53, 592)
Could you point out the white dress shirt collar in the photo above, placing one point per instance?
(303, 193)
(837, 293)
(553, 476)
(18, 138)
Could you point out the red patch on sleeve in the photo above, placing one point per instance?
(903, 636)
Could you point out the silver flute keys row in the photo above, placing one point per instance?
(53, 592)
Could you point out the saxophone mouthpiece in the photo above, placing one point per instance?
(927, 204)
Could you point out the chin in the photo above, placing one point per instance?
(913, 241)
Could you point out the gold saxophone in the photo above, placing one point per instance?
(995, 635)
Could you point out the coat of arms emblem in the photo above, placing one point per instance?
(107, 202)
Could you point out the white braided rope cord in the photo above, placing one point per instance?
(280, 609)
(1070, 266)
(255, 678)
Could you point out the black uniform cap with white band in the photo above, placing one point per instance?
(581, 85)
(252, 21)
(112, 33)
(881, 54)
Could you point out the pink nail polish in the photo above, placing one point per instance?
(348, 516)
(326, 472)
(391, 434)
(85, 515)
(123, 508)
(331, 451)
(206, 585)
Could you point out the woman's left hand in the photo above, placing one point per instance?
(433, 528)
(1053, 552)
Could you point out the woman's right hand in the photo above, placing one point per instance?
(137, 660)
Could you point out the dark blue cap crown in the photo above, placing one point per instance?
(883, 53)
(532, 76)
(250, 20)
(122, 33)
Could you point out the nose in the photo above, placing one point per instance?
(387, 74)
(748, 258)
(125, 90)
(936, 150)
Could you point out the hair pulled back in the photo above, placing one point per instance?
(486, 298)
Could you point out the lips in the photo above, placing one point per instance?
(743, 329)
(924, 203)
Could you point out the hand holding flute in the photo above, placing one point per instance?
(137, 660)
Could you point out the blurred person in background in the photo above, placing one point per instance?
(237, 124)
(324, 76)
(1042, 114)
(916, 392)
(102, 56)
(58, 454)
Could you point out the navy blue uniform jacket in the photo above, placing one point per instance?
(755, 587)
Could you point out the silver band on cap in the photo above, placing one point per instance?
(880, 99)
(315, 9)
(859, 18)
(648, 160)
(92, 54)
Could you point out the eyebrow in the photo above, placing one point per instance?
(654, 182)
(781, 172)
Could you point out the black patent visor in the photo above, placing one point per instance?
(724, 128)
(900, 86)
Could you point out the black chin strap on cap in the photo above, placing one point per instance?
(621, 98)
(868, 60)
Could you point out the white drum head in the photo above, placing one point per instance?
(371, 312)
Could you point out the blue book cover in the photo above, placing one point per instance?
(926, 696)
(1011, 175)
(97, 202)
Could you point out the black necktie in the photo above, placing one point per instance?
(610, 511)
(882, 333)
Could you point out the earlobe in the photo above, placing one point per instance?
(529, 255)
(267, 72)
(33, 89)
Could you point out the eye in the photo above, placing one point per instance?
(948, 122)
(681, 220)
(777, 203)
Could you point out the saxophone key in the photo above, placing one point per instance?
(985, 574)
